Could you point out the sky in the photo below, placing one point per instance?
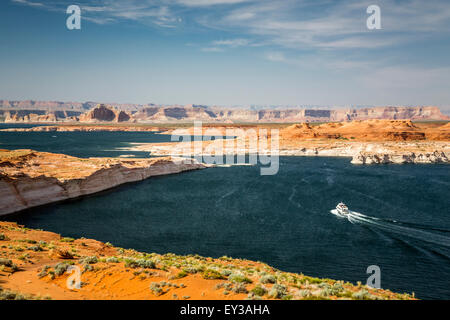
(227, 52)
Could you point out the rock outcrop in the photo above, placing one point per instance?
(104, 113)
(29, 178)
(399, 158)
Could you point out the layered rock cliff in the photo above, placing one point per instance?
(51, 111)
(29, 178)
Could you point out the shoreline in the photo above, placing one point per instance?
(29, 178)
(361, 153)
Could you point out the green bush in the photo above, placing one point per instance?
(193, 269)
(304, 293)
(278, 291)
(181, 274)
(268, 279)
(224, 285)
(36, 248)
(155, 287)
(140, 263)
(212, 274)
(8, 263)
(240, 288)
(2, 236)
(112, 260)
(89, 260)
(60, 268)
(88, 267)
(43, 272)
(9, 295)
(363, 294)
(239, 278)
(259, 291)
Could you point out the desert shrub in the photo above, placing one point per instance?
(9, 295)
(239, 278)
(2, 237)
(5, 262)
(193, 269)
(337, 288)
(43, 272)
(24, 257)
(60, 268)
(88, 267)
(278, 291)
(240, 288)
(155, 287)
(226, 272)
(259, 291)
(268, 279)
(224, 285)
(36, 248)
(89, 260)
(67, 239)
(304, 293)
(112, 260)
(146, 263)
(252, 296)
(140, 263)
(311, 280)
(8, 263)
(362, 294)
(181, 274)
(212, 274)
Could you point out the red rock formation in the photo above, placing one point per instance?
(104, 113)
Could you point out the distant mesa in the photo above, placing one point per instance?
(56, 111)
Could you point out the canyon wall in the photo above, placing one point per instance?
(53, 111)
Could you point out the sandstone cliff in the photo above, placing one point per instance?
(29, 178)
(104, 113)
(50, 111)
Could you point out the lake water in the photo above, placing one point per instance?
(284, 220)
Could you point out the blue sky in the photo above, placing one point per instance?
(227, 52)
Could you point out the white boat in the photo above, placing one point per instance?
(342, 209)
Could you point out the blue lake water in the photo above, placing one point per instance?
(283, 220)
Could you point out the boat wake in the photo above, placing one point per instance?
(419, 232)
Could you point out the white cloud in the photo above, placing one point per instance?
(29, 3)
(231, 42)
(276, 56)
(201, 3)
(212, 49)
